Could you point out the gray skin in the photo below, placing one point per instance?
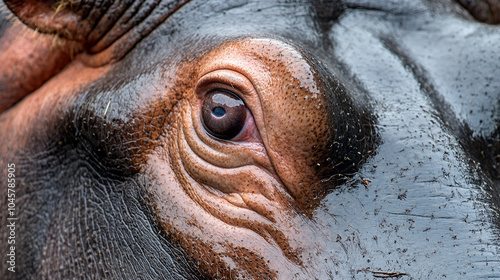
(422, 205)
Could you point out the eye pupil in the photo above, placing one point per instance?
(223, 114)
(218, 112)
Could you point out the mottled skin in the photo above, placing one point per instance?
(372, 142)
(270, 175)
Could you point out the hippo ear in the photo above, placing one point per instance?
(104, 30)
(27, 60)
(64, 18)
(487, 11)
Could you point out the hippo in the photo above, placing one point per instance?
(177, 139)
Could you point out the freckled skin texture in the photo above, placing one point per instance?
(370, 147)
(265, 191)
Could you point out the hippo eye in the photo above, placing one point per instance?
(223, 113)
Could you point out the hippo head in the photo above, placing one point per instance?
(232, 143)
(175, 139)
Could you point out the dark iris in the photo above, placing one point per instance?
(223, 114)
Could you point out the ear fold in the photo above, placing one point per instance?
(104, 29)
(487, 11)
(70, 19)
(27, 61)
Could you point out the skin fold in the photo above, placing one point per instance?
(370, 143)
(264, 192)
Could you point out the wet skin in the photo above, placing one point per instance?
(368, 141)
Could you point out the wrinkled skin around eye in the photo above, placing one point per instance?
(236, 172)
